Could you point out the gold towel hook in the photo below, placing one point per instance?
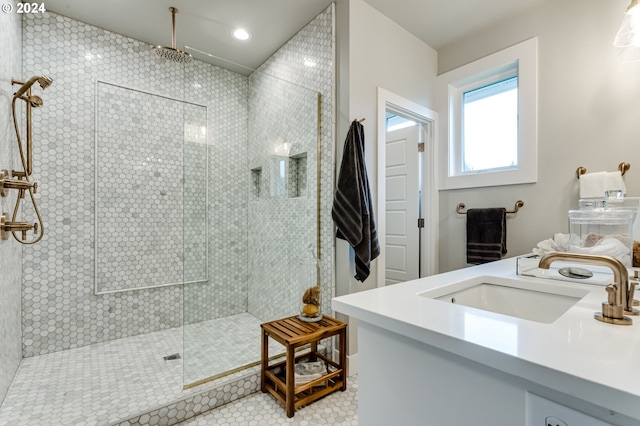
(519, 203)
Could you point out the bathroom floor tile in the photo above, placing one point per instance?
(261, 409)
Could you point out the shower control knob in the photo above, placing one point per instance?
(24, 231)
(35, 187)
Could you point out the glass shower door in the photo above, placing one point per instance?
(262, 215)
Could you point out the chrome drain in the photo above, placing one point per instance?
(171, 357)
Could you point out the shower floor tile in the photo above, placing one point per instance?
(237, 343)
(106, 382)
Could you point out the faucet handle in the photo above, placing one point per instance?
(632, 302)
(611, 294)
(612, 312)
(632, 285)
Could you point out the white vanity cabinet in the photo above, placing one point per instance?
(425, 362)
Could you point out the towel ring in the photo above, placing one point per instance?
(623, 167)
(519, 203)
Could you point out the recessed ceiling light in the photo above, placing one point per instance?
(241, 34)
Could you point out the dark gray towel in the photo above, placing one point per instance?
(352, 209)
(486, 235)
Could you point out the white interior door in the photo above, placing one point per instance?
(402, 237)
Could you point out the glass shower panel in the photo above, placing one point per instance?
(262, 215)
(283, 232)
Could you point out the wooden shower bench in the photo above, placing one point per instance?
(292, 333)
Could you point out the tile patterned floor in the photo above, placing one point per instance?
(261, 409)
(236, 340)
(107, 382)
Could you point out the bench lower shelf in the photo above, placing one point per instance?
(275, 383)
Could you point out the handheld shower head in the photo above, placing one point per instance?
(43, 80)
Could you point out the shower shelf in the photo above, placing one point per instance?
(256, 183)
(298, 176)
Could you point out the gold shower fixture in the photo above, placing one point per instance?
(24, 93)
(172, 53)
(20, 178)
(20, 185)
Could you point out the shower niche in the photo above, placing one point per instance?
(287, 177)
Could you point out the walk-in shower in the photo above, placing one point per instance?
(184, 199)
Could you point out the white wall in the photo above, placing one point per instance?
(373, 52)
(588, 115)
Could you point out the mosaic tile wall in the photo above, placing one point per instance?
(60, 310)
(10, 251)
(150, 169)
(307, 60)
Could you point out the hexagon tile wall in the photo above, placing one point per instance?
(60, 309)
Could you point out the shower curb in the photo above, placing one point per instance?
(197, 403)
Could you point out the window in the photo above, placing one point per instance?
(491, 125)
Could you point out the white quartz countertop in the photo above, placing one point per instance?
(576, 355)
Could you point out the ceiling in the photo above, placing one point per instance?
(206, 25)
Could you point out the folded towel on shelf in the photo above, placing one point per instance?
(304, 372)
(486, 235)
(594, 185)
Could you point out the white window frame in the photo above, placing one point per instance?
(453, 84)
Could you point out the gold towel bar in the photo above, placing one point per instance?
(623, 167)
(519, 204)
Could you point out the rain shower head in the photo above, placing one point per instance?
(43, 80)
(171, 53)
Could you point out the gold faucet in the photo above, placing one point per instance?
(620, 294)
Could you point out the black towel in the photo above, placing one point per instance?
(352, 209)
(486, 235)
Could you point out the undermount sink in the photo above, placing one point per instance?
(535, 301)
